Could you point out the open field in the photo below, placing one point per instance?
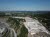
(24, 24)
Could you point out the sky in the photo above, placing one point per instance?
(24, 5)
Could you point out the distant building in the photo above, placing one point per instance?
(7, 13)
